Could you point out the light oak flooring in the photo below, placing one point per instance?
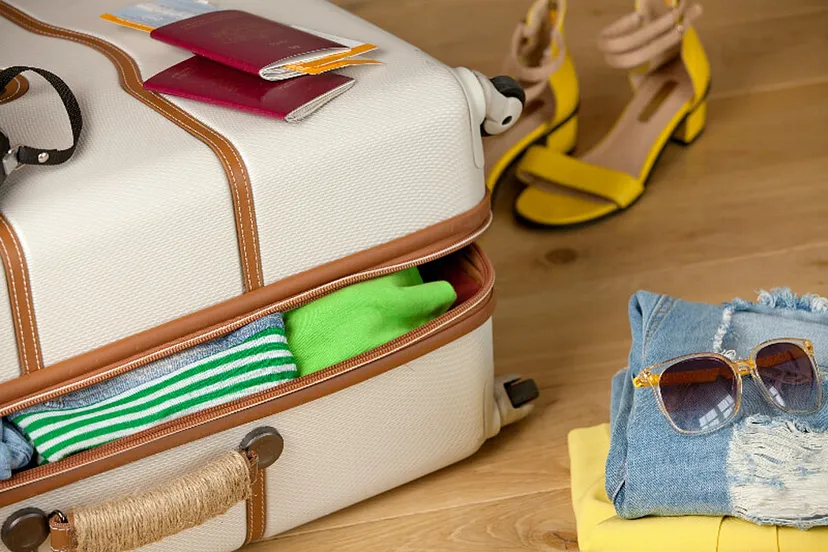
(744, 208)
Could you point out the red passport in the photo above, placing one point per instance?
(292, 100)
(245, 41)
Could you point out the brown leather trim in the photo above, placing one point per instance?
(130, 76)
(60, 534)
(473, 320)
(16, 88)
(433, 238)
(256, 506)
(20, 297)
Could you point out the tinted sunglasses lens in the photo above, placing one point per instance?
(699, 393)
(789, 376)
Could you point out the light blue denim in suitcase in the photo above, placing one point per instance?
(753, 456)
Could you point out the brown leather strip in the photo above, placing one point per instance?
(256, 506)
(130, 75)
(11, 493)
(20, 297)
(60, 534)
(16, 88)
(412, 246)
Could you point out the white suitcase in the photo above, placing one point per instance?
(176, 221)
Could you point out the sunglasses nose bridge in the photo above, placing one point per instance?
(744, 367)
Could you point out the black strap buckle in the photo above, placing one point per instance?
(8, 161)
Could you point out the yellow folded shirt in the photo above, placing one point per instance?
(600, 530)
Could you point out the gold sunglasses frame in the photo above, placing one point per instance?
(651, 376)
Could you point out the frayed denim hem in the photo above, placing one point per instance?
(777, 472)
(776, 298)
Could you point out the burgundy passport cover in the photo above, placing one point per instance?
(240, 39)
(204, 80)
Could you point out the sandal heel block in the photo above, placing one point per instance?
(692, 125)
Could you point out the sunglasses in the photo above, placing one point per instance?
(702, 392)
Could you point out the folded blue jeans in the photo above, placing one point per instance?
(15, 450)
(765, 466)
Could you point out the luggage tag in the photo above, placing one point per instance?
(149, 16)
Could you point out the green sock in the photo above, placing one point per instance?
(360, 317)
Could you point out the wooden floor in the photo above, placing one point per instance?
(744, 208)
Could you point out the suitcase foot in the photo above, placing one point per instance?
(514, 398)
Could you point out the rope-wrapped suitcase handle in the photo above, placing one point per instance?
(139, 519)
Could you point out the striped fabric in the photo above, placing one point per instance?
(258, 362)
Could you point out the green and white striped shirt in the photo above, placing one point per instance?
(259, 362)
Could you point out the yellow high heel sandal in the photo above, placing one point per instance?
(670, 75)
(539, 61)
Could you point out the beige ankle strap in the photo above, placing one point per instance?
(645, 37)
(531, 34)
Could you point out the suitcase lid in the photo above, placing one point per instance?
(171, 206)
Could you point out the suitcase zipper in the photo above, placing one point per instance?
(280, 306)
(451, 317)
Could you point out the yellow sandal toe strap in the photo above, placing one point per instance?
(544, 164)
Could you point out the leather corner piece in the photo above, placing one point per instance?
(61, 535)
(257, 506)
(238, 178)
(15, 89)
(20, 298)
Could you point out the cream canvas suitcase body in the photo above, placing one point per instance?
(178, 221)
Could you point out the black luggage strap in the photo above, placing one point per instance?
(15, 156)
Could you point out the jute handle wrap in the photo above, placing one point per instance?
(136, 520)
